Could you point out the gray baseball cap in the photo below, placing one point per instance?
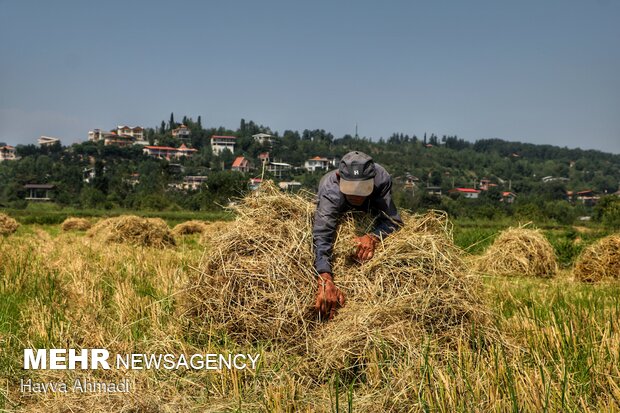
(357, 174)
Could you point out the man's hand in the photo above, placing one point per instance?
(328, 298)
(365, 247)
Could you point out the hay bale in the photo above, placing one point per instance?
(213, 230)
(76, 224)
(416, 285)
(189, 227)
(599, 261)
(519, 251)
(7, 225)
(134, 230)
(258, 282)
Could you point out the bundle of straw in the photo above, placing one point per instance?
(599, 261)
(130, 229)
(7, 225)
(416, 285)
(256, 279)
(189, 227)
(258, 282)
(76, 224)
(519, 251)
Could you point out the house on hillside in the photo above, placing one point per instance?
(317, 164)
(485, 184)
(587, 197)
(264, 138)
(278, 168)
(136, 132)
(241, 164)
(167, 152)
(97, 135)
(39, 192)
(508, 197)
(469, 193)
(182, 132)
(47, 141)
(434, 190)
(8, 153)
(220, 143)
(118, 140)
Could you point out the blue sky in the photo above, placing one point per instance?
(541, 72)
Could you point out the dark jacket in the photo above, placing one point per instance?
(331, 204)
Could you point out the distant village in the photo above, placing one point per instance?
(124, 136)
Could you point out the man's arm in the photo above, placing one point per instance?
(324, 231)
(388, 219)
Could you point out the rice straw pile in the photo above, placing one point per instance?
(519, 251)
(257, 278)
(416, 285)
(189, 227)
(258, 283)
(213, 230)
(7, 225)
(76, 224)
(134, 230)
(599, 261)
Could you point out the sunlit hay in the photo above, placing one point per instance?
(76, 224)
(130, 229)
(519, 251)
(213, 229)
(7, 225)
(416, 286)
(257, 280)
(189, 228)
(599, 261)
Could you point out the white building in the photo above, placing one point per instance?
(167, 152)
(317, 163)
(7, 153)
(219, 143)
(97, 135)
(123, 135)
(182, 132)
(278, 168)
(47, 141)
(137, 132)
(263, 138)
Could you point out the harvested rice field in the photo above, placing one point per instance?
(423, 329)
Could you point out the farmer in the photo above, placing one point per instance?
(358, 184)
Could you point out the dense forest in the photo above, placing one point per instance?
(93, 175)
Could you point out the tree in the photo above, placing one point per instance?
(171, 123)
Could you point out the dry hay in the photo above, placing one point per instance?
(7, 225)
(213, 230)
(76, 224)
(257, 278)
(599, 261)
(130, 229)
(258, 283)
(519, 251)
(189, 227)
(416, 286)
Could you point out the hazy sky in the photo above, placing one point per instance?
(534, 71)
